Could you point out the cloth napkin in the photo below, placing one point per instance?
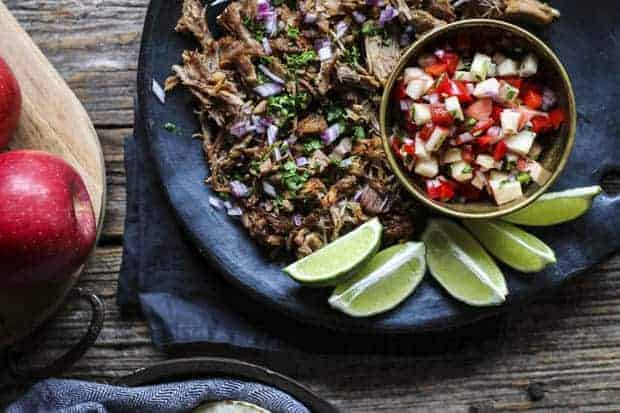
(72, 396)
(186, 303)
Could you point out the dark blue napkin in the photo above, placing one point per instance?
(72, 396)
(186, 303)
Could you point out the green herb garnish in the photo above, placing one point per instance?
(257, 29)
(470, 122)
(295, 62)
(334, 113)
(292, 32)
(291, 178)
(524, 177)
(369, 29)
(358, 132)
(466, 170)
(313, 145)
(352, 56)
(287, 106)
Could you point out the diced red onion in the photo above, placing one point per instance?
(405, 104)
(345, 163)
(358, 195)
(494, 131)
(375, 3)
(235, 212)
(331, 134)
(310, 18)
(302, 161)
(466, 137)
(239, 189)
(440, 53)
(408, 141)
(292, 139)
(432, 98)
(270, 74)
(269, 189)
(548, 99)
(359, 17)
(470, 87)
(268, 89)
(297, 220)
(343, 148)
(387, 15)
(271, 25)
(272, 134)
(277, 155)
(325, 53)
(159, 92)
(267, 46)
(215, 202)
(239, 129)
(341, 29)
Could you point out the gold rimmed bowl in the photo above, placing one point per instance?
(557, 146)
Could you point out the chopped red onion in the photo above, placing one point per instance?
(297, 220)
(159, 92)
(325, 53)
(215, 202)
(292, 139)
(302, 161)
(405, 104)
(548, 99)
(269, 189)
(240, 128)
(277, 155)
(268, 89)
(408, 141)
(465, 137)
(259, 124)
(470, 87)
(343, 148)
(239, 189)
(272, 134)
(375, 3)
(433, 99)
(331, 133)
(387, 15)
(267, 46)
(310, 18)
(270, 74)
(359, 17)
(440, 53)
(271, 25)
(357, 195)
(235, 212)
(494, 131)
(341, 29)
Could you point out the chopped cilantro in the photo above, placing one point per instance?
(287, 106)
(466, 169)
(256, 28)
(296, 61)
(358, 132)
(292, 32)
(369, 29)
(511, 94)
(352, 55)
(266, 60)
(313, 145)
(334, 113)
(291, 179)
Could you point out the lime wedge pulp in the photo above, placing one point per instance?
(512, 245)
(383, 282)
(463, 268)
(337, 260)
(555, 207)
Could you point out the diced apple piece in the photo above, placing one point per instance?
(535, 152)
(420, 149)
(507, 92)
(437, 137)
(454, 107)
(427, 167)
(521, 143)
(538, 173)
(529, 65)
(413, 73)
(492, 70)
(503, 189)
(480, 66)
(510, 121)
(418, 88)
(421, 113)
(479, 180)
(464, 76)
(452, 155)
(487, 88)
(486, 162)
(461, 171)
(508, 68)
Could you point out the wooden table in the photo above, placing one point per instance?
(569, 342)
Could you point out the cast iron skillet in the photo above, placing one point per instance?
(578, 245)
(204, 367)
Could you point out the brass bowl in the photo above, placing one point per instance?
(557, 148)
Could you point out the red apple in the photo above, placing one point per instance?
(10, 104)
(47, 223)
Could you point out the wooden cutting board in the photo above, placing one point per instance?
(52, 120)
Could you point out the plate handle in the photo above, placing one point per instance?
(62, 364)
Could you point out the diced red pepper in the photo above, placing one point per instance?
(514, 81)
(436, 69)
(500, 150)
(485, 141)
(441, 116)
(408, 148)
(496, 113)
(556, 117)
(426, 131)
(400, 92)
(481, 126)
(454, 88)
(432, 189)
(532, 99)
(446, 191)
(541, 124)
(451, 60)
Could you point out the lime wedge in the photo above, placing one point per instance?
(555, 207)
(337, 260)
(459, 263)
(512, 245)
(383, 283)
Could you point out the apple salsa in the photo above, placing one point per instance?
(471, 123)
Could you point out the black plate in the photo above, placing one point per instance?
(205, 367)
(587, 43)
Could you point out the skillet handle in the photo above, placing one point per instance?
(62, 364)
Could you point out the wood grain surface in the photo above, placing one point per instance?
(568, 342)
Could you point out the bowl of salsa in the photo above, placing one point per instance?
(478, 119)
